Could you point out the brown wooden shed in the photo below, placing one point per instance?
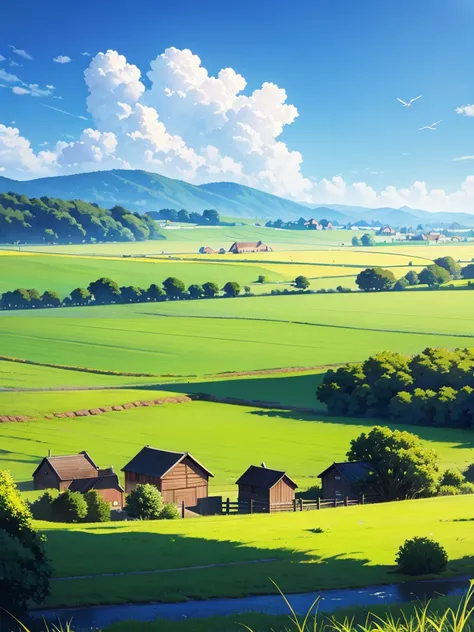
(177, 475)
(58, 472)
(341, 480)
(106, 485)
(264, 485)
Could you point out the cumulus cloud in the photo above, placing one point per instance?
(17, 156)
(461, 158)
(8, 77)
(2, 58)
(465, 110)
(62, 59)
(20, 52)
(85, 54)
(19, 90)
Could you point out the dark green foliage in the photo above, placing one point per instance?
(263, 279)
(401, 285)
(174, 287)
(468, 271)
(421, 556)
(448, 263)
(195, 291)
(434, 275)
(211, 289)
(231, 288)
(81, 296)
(412, 277)
(145, 502)
(301, 282)
(355, 241)
(132, 294)
(155, 293)
(50, 298)
(97, 509)
(52, 220)
(452, 477)
(42, 508)
(169, 512)
(209, 217)
(469, 473)
(247, 289)
(343, 290)
(104, 290)
(448, 490)
(367, 240)
(402, 466)
(69, 507)
(466, 488)
(375, 280)
(24, 569)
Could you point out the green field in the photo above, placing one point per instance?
(357, 547)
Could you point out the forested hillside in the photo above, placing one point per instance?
(52, 220)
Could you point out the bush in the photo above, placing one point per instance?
(97, 509)
(469, 473)
(452, 477)
(466, 488)
(301, 282)
(42, 507)
(145, 502)
(421, 556)
(69, 507)
(448, 490)
(262, 279)
(400, 285)
(169, 512)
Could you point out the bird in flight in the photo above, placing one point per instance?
(431, 127)
(409, 104)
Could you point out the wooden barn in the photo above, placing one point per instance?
(58, 472)
(263, 485)
(239, 247)
(345, 480)
(177, 475)
(106, 484)
(313, 224)
(386, 230)
(206, 250)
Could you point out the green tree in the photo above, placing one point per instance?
(412, 277)
(231, 288)
(131, 294)
(69, 507)
(355, 241)
(402, 466)
(105, 291)
(81, 296)
(375, 280)
(155, 293)
(51, 298)
(183, 216)
(452, 477)
(469, 473)
(468, 271)
(210, 289)
(400, 285)
(301, 282)
(450, 266)
(35, 297)
(97, 509)
(247, 289)
(25, 572)
(145, 502)
(195, 291)
(262, 279)
(42, 508)
(19, 298)
(367, 240)
(174, 288)
(211, 217)
(434, 275)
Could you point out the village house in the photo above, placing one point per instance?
(387, 231)
(78, 472)
(177, 475)
(206, 250)
(239, 247)
(264, 485)
(313, 224)
(345, 480)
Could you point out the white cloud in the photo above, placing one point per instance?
(19, 90)
(20, 52)
(33, 89)
(2, 58)
(14, 64)
(461, 158)
(16, 155)
(86, 54)
(50, 87)
(466, 110)
(8, 77)
(62, 59)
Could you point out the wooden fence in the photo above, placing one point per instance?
(250, 506)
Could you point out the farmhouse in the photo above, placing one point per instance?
(58, 472)
(313, 224)
(177, 475)
(106, 484)
(206, 250)
(261, 484)
(387, 230)
(341, 480)
(239, 247)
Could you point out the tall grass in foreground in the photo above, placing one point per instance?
(423, 619)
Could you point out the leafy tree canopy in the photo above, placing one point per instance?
(375, 280)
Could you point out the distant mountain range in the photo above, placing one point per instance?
(143, 191)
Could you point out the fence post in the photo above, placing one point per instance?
(294, 504)
(362, 499)
(318, 502)
(227, 508)
(301, 504)
(335, 501)
(346, 501)
(182, 509)
(251, 506)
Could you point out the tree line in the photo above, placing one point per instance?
(55, 221)
(442, 270)
(105, 291)
(209, 217)
(432, 388)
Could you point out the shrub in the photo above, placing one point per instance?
(400, 285)
(448, 490)
(145, 502)
(469, 473)
(420, 556)
(97, 509)
(42, 507)
(466, 488)
(262, 279)
(169, 512)
(231, 288)
(69, 507)
(452, 477)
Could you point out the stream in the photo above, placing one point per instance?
(330, 601)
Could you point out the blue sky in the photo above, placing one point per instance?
(342, 64)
